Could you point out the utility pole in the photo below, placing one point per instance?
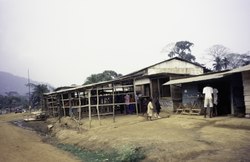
(29, 90)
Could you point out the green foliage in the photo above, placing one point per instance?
(37, 94)
(105, 76)
(217, 65)
(12, 99)
(130, 153)
(235, 60)
(125, 154)
(223, 59)
(182, 49)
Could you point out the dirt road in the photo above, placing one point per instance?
(20, 145)
(175, 138)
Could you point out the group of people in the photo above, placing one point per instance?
(149, 106)
(129, 108)
(210, 101)
(153, 108)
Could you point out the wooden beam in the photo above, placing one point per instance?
(52, 106)
(135, 97)
(97, 106)
(159, 88)
(70, 104)
(64, 113)
(79, 109)
(89, 100)
(113, 93)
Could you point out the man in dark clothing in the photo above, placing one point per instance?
(157, 107)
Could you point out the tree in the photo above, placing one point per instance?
(12, 100)
(223, 59)
(217, 65)
(105, 76)
(181, 49)
(237, 60)
(225, 63)
(218, 51)
(218, 54)
(37, 94)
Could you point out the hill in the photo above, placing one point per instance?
(10, 82)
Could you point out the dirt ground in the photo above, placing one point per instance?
(21, 145)
(171, 138)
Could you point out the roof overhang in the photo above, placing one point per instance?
(208, 76)
(194, 79)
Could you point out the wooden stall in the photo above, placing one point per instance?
(105, 98)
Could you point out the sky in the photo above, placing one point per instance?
(62, 42)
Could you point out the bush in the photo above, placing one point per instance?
(130, 154)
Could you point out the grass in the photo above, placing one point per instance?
(127, 153)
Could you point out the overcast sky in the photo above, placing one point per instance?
(62, 42)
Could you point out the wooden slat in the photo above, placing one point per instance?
(248, 109)
(247, 98)
(246, 88)
(247, 103)
(247, 93)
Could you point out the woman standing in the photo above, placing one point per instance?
(150, 108)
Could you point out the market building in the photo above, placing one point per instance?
(108, 97)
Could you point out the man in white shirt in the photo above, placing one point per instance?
(208, 100)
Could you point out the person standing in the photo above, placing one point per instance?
(150, 108)
(215, 100)
(208, 101)
(157, 107)
(144, 104)
(127, 102)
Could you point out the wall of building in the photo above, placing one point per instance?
(189, 93)
(246, 84)
(176, 67)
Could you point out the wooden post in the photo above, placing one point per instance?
(70, 105)
(136, 106)
(59, 104)
(113, 94)
(89, 100)
(97, 106)
(64, 113)
(47, 102)
(159, 88)
(231, 98)
(52, 101)
(80, 104)
(151, 89)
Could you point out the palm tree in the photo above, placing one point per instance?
(218, 64)
(225, 63)
(37, 94)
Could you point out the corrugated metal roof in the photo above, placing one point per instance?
(194, 79)
(88, 86)
(240, 69)
(208, 76)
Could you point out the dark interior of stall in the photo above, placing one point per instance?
(224, 86)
